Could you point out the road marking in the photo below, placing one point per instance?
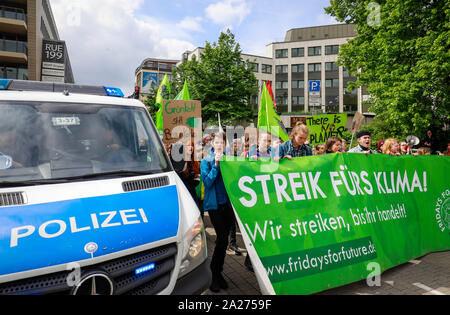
(428, 289)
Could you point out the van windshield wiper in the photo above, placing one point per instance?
(121, 173)
(32, 183)
(53, 181)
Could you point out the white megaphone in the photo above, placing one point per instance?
(412, 141)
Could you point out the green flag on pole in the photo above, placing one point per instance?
(184, 94)
(159, 102)
(268, 119)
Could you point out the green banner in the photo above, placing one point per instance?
(320, 222)
(323, 127)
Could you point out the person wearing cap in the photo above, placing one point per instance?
(363, 143)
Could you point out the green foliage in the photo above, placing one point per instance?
(404, 61)
(221, 80)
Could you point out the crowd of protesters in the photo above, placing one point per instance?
(201, 173)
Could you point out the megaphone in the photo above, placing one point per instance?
(412, 141)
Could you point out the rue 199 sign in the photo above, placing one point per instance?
(53, 60)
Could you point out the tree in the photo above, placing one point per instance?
(402, 55)
(221, 80)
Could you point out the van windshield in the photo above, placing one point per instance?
(43, 142)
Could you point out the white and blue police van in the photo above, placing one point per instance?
(89, 201)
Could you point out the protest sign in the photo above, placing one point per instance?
(324, 126)
(316, 223)
(182, 120)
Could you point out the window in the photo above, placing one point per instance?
(315, 51)
(335, 82)
(298, 100)
(13, 72)
(282, 69)
(298, 68)
(80, 136)
(282, 85)
(332, 50)
(352, 92)
(298, 84)
(332, 83)
(281, 100)
(314, 67)
(298, 52)
(266, 69)
(331, 66)
(282, 53)
(253, 66)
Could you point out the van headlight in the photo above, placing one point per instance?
(195, 252)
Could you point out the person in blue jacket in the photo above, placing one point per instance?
(218, 206)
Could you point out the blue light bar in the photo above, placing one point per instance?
(4, 84)
(144, 269)
(116, 92)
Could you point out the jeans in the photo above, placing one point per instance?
(221, 219)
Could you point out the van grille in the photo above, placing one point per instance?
(121, 271)
(144, 184)
(12, 199)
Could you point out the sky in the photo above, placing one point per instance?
(107, 40)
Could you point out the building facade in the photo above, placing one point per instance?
(307, 57)
(25, 27)
(150, 74)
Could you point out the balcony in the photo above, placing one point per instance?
(13, 20)
(13, 51)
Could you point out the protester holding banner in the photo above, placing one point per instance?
(423, 151)
(333, 145)
(262, 149)
(344, 145)
(237, 147)
(296, 147)
(391, 147)
(218, 206)
(321, 150)
(363, 143)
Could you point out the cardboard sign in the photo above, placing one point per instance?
(357, 121)
(324, 126)
(182, 121)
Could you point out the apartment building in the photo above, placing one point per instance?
(30, 47)
(150, 74)
(309, 55)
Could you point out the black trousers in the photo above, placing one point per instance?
(222, 220)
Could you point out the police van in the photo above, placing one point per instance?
(89, 201)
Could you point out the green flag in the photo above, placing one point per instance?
(184, 94)
(159, 102)
(268, 119)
